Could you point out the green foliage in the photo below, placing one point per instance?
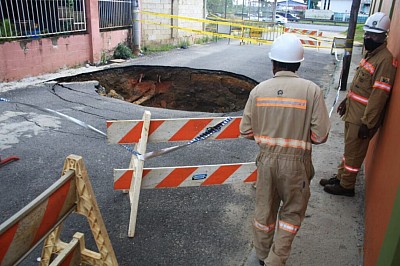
(158, 48)
(184, 44)
(204, 39)
(6, 28)
(218, 6)
(359, 33)
(122, 52)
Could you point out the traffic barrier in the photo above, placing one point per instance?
(43, 217)
(307, 37)
(150, 130)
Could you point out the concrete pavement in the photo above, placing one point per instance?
(196, 226)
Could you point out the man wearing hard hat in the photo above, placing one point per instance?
(363, 108)
(285, 115)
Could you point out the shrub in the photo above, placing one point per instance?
(6, 28)
(122, 52)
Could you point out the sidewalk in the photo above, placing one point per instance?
(333, 231)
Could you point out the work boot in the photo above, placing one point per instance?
(337, 189)
(331, 181)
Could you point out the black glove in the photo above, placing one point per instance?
(363, 132)
(341, 110)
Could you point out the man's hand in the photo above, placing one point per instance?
(341, 110)
(363, 132)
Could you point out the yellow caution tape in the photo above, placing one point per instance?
(238, 28)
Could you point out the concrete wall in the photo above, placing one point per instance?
(383, 166)
(193, 9)
(163, 30)
(27, 58)
(158, 32)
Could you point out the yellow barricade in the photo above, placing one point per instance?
(43, 217)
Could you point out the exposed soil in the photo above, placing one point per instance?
(178, 88)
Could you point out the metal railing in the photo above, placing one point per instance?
(35, 18)
(115, 13)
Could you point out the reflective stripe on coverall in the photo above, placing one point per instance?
(285, 115)
(367, 98)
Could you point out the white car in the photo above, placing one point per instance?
(280, 19)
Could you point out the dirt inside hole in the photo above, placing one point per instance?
(178, 88)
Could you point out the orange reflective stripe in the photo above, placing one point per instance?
(382, 86)
(357, 98)
(316, 139)
(292, 143)
(350, 168)
(282, 102)
(367, 66)
(395, 62)
(291, 228)
(265, 228)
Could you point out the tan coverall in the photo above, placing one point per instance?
(366, 102)
(285, 115)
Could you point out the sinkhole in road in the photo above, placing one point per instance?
(178, 88)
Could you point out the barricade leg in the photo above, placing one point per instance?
(87, 206)
(134, 190)
(50, 246)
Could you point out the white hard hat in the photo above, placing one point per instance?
(378, 23)
(287, 48)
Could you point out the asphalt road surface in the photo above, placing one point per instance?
(182, 226)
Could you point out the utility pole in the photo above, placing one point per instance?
(349, 43)
(226, 3)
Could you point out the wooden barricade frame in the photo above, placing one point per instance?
(137, 177)
(307, 37)
(42, 219)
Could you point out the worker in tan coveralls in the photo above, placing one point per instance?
(364, 105)
(285, 115)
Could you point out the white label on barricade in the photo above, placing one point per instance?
(169, 130)
(188, 176)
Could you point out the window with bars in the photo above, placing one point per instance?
(115, 13)
(35, 18)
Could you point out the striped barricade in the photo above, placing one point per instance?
(172, 130)
(188, 176)
(308, 38)
(43, 217)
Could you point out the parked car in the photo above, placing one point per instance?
(289, 16)
(278, 19)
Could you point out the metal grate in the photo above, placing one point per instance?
(34, 18)
(115, 13)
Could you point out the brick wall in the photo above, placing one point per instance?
(162, 32)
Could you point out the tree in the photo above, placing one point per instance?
(219, 6)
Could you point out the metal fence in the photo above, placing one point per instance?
(34, 18)
(115, 13)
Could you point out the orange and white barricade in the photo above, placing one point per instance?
(309, 38)
(43, 217)
(150, 130)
